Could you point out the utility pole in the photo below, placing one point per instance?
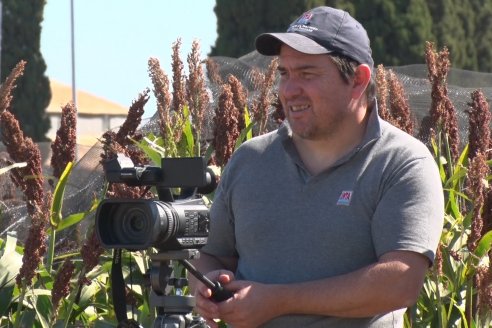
(74, 91)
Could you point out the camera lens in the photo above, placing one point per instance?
(132, 224)
(136, 223)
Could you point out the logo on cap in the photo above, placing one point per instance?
(303, 24)
(305, 18)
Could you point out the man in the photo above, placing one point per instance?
(333, 219)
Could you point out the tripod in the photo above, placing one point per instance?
(173, 311)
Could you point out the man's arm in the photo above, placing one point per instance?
(392, 283)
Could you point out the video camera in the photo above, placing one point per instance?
(177, 228)
(166, 224)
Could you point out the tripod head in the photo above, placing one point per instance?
(173, 310)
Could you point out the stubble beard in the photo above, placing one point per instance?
(315, 131)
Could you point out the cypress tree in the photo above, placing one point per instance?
(21, 36)
(397, 29)
(482, 38)
(240, 21)
(454, 27)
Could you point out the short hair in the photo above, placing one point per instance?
(346, 67)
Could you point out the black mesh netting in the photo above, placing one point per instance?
(86, 180)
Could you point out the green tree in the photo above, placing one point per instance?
(397, 29)
(454, 27)
(482, 38)
(21, 35)
(240, 21)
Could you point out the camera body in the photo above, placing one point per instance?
(166, 224)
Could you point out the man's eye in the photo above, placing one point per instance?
(307, 75)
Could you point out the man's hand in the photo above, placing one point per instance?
(205, 306)
(252, 305)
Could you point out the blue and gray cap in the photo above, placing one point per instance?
(321, 30)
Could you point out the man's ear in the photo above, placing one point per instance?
(361, 80)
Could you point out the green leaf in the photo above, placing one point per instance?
(43, 310)
(150, 146)
(458, 174)
(57, 204)
(244, 135)
(247, 122)
(72, 219)
(10, 264)
(484, 245)
(188, 132)
(10, 245)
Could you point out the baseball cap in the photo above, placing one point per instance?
(321, 30)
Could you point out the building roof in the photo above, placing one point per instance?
(87, 104)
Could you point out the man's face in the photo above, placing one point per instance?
(316, 100)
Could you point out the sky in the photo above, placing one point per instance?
(113, 40)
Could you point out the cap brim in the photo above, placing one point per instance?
(269, 44)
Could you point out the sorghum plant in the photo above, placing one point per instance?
(263, 103)
(226, 129)
(196, 94)
(393, 105)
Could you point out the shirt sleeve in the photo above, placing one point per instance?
(410, 214)
(221, 239)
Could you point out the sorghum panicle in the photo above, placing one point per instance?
(483, 282)
(64, 147)
(451, 125)
(479, 125)
(263, 103)
(382, 94)
(22, 149)
(278, 114)
(61, 286)
(239, 97)
(477, 173)
(162, 94)
(8, 86)
(179, 95)
(120, 143)
(225, 127)
(197, 95)
(438, 261)
(35, 243)
(90, 252)
(213, 72)
(436, 110)
(400, 108)
(443, 115)
(34, 250)
(133, 119)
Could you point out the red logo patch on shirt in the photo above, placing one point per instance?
(345, 198)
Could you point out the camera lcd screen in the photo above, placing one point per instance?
(184, 172)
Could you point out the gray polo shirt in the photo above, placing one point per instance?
(285, 225)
